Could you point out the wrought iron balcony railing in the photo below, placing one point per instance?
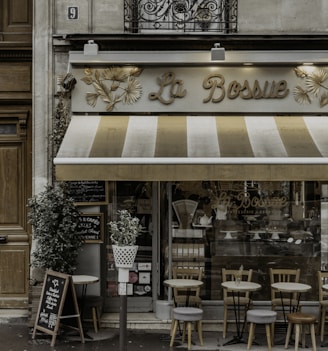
(160, 16)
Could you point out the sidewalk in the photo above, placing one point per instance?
(18, 337)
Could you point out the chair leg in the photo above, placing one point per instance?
(95, 319)
(297, 336)
(268, 335)
(250, 336)
(289, 331)
(174, 330)
(322, 322)
(200, 332)
(312, 330)
(189, 328)
(225, 317)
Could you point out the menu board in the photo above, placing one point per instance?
(93, 192)
(91, 227)
(57, 288)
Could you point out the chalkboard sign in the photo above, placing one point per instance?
(93, 192)
(91, 227)
(58, 301)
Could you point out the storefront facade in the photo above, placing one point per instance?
(224, 163)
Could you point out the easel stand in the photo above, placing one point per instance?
(58, 306)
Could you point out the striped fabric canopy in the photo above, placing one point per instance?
(194, 147)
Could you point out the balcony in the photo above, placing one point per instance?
(180, 16)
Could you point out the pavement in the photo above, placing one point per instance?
(18, 337)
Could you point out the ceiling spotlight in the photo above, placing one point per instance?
(217, 53)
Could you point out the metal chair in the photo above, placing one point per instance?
(228, 299)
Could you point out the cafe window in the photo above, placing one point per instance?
(144, 16)
(253, 224)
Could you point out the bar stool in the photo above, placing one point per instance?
(300, 319)
(188, 315)
(266, 317)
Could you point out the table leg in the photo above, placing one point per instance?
(240, 325)
(291, 309)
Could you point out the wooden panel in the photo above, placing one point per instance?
(14, 263)
(15, 172)
(17, 16)
(15, 77)
(9, 191)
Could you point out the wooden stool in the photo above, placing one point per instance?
(96, 304)
(266, 317)
(188, 315)
(300, 319)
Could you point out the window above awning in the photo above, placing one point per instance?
(172, 148)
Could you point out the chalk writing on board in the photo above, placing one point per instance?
(91, 226)
(51, 301)
(87, 192)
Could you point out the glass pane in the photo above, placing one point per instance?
(8, 129)
(255, 224)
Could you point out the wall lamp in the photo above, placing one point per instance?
(91, 48)
(217, 53)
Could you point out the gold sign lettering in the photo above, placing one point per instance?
(175, 89)
(215, 83)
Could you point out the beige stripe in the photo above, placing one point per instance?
(233, 137)
(296, 137)
(171, 137)
(110, 137)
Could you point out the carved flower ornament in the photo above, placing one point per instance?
(113, 85)
(316, 84)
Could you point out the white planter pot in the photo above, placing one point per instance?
(124, 256)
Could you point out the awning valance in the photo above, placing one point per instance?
(194, 148)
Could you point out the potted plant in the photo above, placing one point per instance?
(123, 234)
(54, 218)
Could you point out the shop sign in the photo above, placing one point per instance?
(130, 89)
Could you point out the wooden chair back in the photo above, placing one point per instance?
(322, 279)
(180, 294)
(230, 274)
(279, 275)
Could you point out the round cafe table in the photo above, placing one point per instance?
(84, 280)
(237, 288)
(291, 288)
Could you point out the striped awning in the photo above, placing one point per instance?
(194, 148)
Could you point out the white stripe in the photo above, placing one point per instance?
(79, 137)
(202, 138)
(264, 137)
(318, 128)
(140, 140)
